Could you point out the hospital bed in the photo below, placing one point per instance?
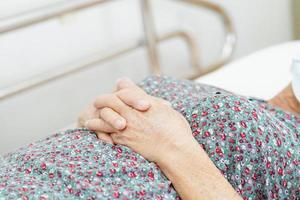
(261, 74)
(30, 109)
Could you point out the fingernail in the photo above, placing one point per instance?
(120, 124)
(143, 104)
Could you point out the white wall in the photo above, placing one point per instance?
(28, 52)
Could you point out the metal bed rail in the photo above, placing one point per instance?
(150, 40)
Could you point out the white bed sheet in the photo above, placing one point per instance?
(261, 74)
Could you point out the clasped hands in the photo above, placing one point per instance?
(146, 124)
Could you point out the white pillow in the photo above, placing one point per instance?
(261, 74)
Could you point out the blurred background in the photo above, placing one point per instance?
(36, 49)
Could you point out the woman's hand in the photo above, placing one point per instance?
(163, 136)
(91, 116)
(153, 134)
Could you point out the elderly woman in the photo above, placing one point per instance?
(165, 139)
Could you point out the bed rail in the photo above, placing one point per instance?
(150, 40)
